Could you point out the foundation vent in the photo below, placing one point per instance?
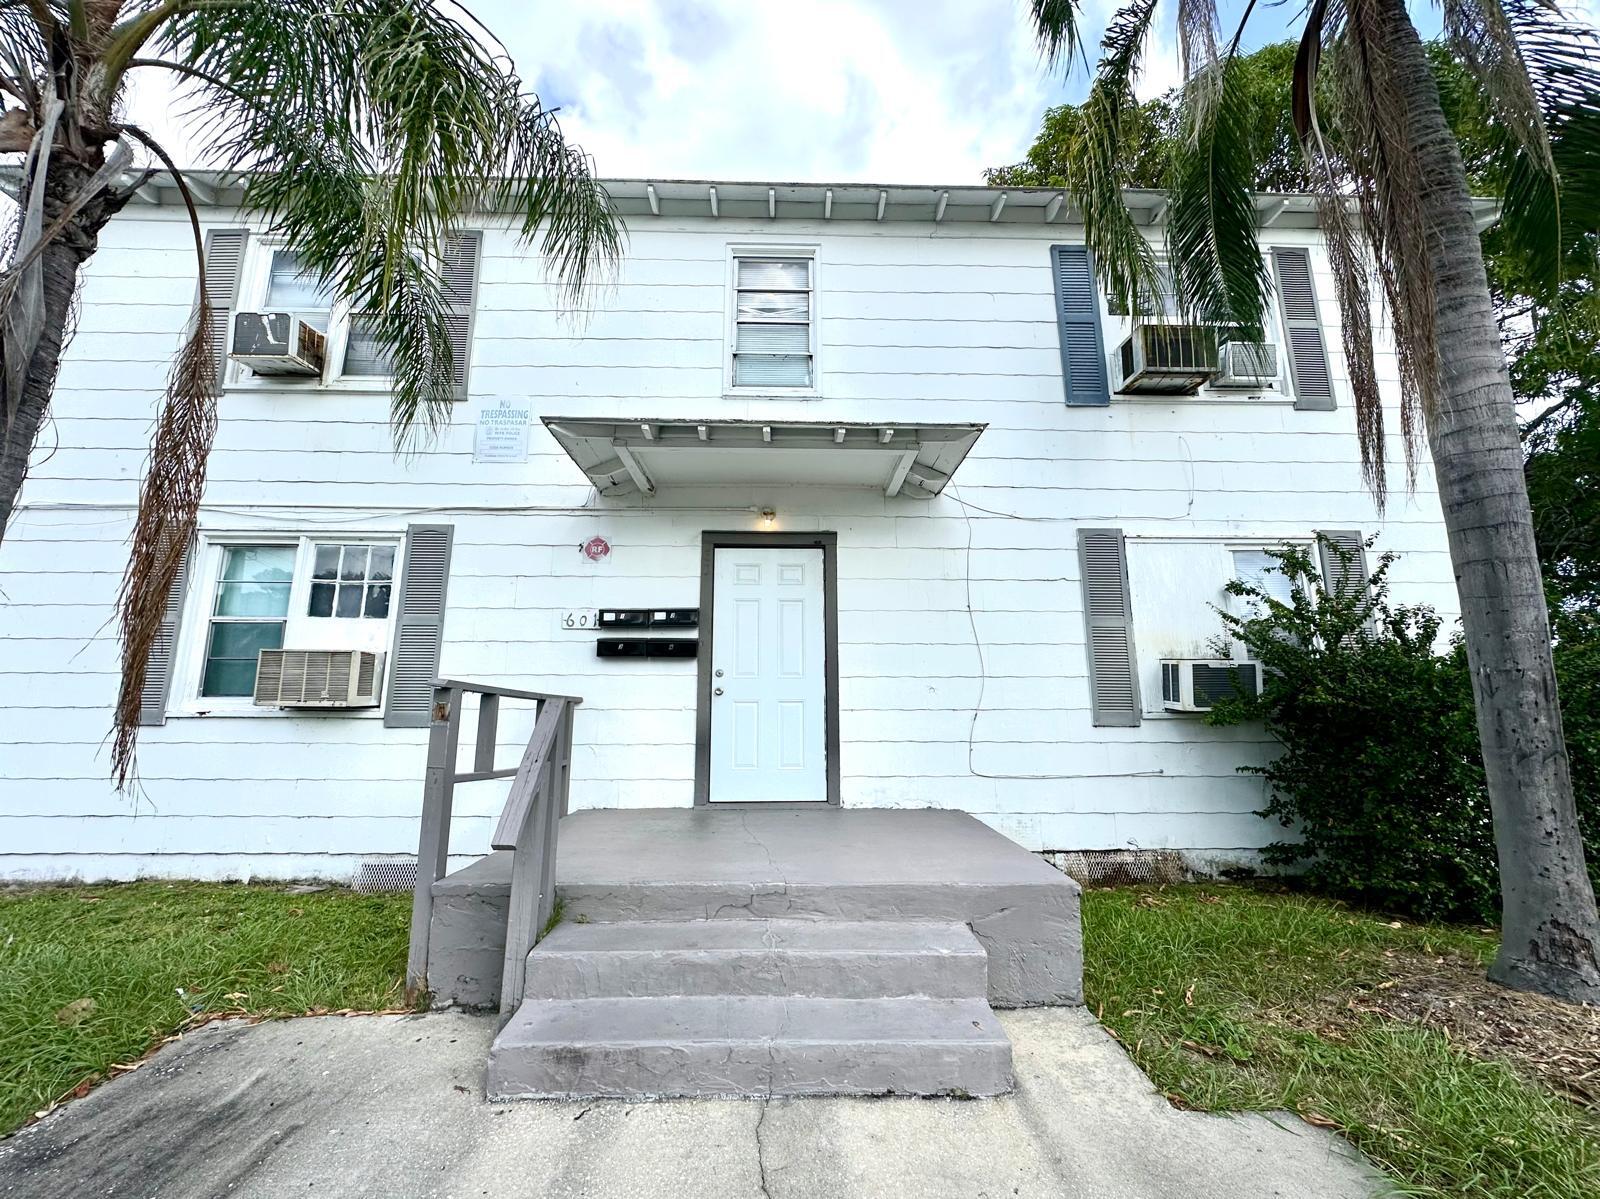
(386, 876)
(1113, 867)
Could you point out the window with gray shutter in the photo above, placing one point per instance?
(1344, 561)
(1083, 350)
(223, 267)
(163, 650)
(1302, 329)
(419, 626)
(1108, 620)
(460, 272)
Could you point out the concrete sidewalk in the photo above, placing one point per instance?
(393, 1106)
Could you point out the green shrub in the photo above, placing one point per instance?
(1380, 772)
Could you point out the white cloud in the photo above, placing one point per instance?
(880, 90)
(928, 91)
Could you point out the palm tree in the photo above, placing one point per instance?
(1395, 209)
(368, 129)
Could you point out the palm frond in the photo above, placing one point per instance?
(1377, 169)
(1215, 261)
(1551, 209)
(1055, 23)
(371, 129)
(1124, 261)
(1482, 35)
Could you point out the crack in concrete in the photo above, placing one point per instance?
(761, 1148)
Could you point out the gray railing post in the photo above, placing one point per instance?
(488, 730)
(433, 844)
(564, 762)
(529, 881)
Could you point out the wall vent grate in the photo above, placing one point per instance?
(1113, 867)
(386, 876)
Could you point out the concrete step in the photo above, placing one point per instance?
(841, 959)
(746, 1045)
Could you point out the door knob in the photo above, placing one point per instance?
(716, 691)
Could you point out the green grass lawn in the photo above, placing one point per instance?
(131, 947)
(1237, 998)
(1228, 997)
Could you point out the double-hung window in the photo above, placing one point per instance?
(291, 592)
(353, 349)
(773, 321)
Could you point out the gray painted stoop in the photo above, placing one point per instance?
(763, 1007)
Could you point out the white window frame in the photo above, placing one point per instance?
(1223, 549)
(740, 250)
(300, 632)
(1118, 326)
(254, 281)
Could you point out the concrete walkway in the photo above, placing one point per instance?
(393, 1106)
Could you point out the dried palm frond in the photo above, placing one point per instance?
(1377, 169)
(169, 505)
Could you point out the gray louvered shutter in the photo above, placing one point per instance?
(1341, 578)
(419, 626)
(1302, 329)
(460, 274)
(159, 662)
(1108, 620)
(1083, 351)
(224, 266)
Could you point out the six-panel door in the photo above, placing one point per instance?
(768, 678)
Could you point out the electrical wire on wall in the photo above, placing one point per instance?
(967, 509)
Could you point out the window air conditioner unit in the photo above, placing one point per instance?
(318, 678)
(278, 343)
(1251, 364)
(1196, 684)
(1159, 359)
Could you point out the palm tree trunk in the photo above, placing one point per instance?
(1550, 937)
(22, 426)
(60, 263)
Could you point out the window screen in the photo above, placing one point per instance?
(772, 322)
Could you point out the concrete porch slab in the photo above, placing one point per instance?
(394, 1106)
(825, 864)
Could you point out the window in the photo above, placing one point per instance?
(1166, 306)
(290, 288)
(249, 614)
(772, 321)
(351, 582)
(1260, 569)
(286, 286)
(364, 357)
(291, 592)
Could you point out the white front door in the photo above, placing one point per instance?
(768, 676)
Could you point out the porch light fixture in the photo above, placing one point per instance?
(769, 517)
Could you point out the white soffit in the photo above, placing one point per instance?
(641, 456)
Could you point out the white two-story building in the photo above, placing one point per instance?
(834, 495)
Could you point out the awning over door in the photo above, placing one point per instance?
(623, 457)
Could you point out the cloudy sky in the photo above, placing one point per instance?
(879, 91)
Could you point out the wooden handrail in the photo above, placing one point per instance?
(509, 692)
(537, 799)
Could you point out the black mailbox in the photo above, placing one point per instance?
(672, 647)
(624, 618)
(621, 647)
(674, 618)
